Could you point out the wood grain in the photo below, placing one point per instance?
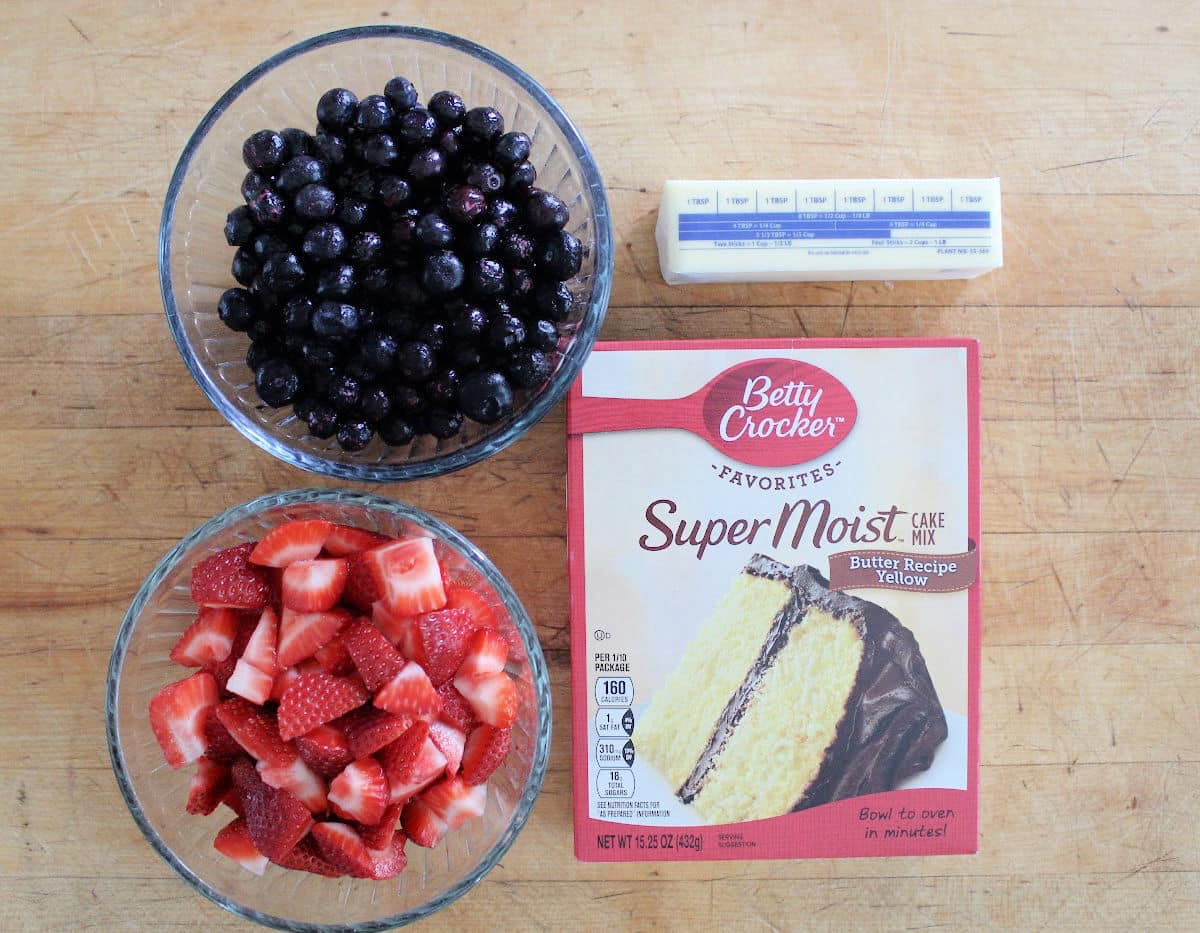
(1091, 399)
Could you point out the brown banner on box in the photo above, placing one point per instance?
(902, 570)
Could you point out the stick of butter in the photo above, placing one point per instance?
(829, 230)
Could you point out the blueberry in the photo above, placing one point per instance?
(443, 273)
(484, 176)
(237, 309)
(505, 333)
(336, 320)
(512, 148)
(374, 113)
(417, 126)
(296, 141)
(544, 211)
(482, 239)
(352, 212)
(447, 107)
(467, 323)
(403, 232)
(449, 141)
(442, 389)
(315, 202)
(263, 151)
(521, 284)
(277, 382)
(329, 147)
(239, 226)
(316, 355)
(464, 203)
(516, 247)
(300, 171)
(553, 301)
(292, 346)
(394, 190)
(488, 277)
(415, 361)
(466, 357)
(402, 322)
(483, 124)
(252, 184)
(375, 280)
(268, 208)
(353, 436)
(324, 242)
(297, 313)
(343, 391)
(485, 397)
(336, 108)
(377, 351)
(541, 334)
(320, 378)
(426, 165)
(433, 333)
(560, 255)
(520, 179)
(443, 423)
(260, 351)
(283, 273)
(381, 150)
(433, 232)
(400, 93)
(336, 281)
(262, 329)
(322, 420)
(267, 245)
(397, 431)
(408, 291)
(375, 404)
(244, 267)
(366, 246)
(528, 368)
(359, 183)
(408, 401)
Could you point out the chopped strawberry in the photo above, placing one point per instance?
(369, 729)
(450, 742)
(298, 780)
(233, 799)
(314, 585)
(344, 540)
(260, 649)
(486, 748)
(302, 633)
(233, 841)
(493, 697)
(421, 824)
(315, 699)
(471, 602)
(399, 757)
(363, 590)
(325, 749)
(409, 693)
(251, 683)
(377, 661)
(218, 743)
(487, 653)
(333, 656)
(408, 575)
(307, 857)
(223, 670)
(360, 792)
(410, 770)
(389, 861)
(277, 820)
(227, 579)
(209, 785)
(292, 541)
(379, 836)
(456, 710)
(439, 642)
(177, 716)
(255, 731)
(208, 640)
(342, 848)
(395, 627)
(454, 801)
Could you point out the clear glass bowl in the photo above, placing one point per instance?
(292, 900)
(194, 259)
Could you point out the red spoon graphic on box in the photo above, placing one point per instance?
(767, 412)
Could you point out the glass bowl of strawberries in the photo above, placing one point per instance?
(327, 709)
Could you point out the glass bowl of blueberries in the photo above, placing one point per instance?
(385, 253)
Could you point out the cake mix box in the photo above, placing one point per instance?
(775, 612)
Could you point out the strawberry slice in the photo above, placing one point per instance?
(314, 585)
(409, 693)
(456, 710)
(315, 699)
(344, 540)
(450, 742)
(292, 541)
(277, 821)
(381, 834)
(363, 590)
(260, 649)
(333, 656)
(412, 763)
(249, 682)
(439, 641)
(454, 801)
(209, 785)
(360, 792)
(377, 661)
(233, 800)
(493, 697)
(223, 670)
(487, 653)
(302, 633)
(208, 640)
(177, 716)
(396, 628)
(369, 729)
(408, 575)
(342, 848)
(298, 780)
(233, 841)
(485, 750)
(255, 731)
(325, 749)
(219, 745)
(472, 603)
(388, 861)
(421, 824)
(307, 857)
(227, 579)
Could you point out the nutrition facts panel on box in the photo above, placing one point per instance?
(613, 751)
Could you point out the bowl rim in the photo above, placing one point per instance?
(520, 617)
(585, 335)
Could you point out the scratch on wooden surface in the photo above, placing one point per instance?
(1124, 476)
